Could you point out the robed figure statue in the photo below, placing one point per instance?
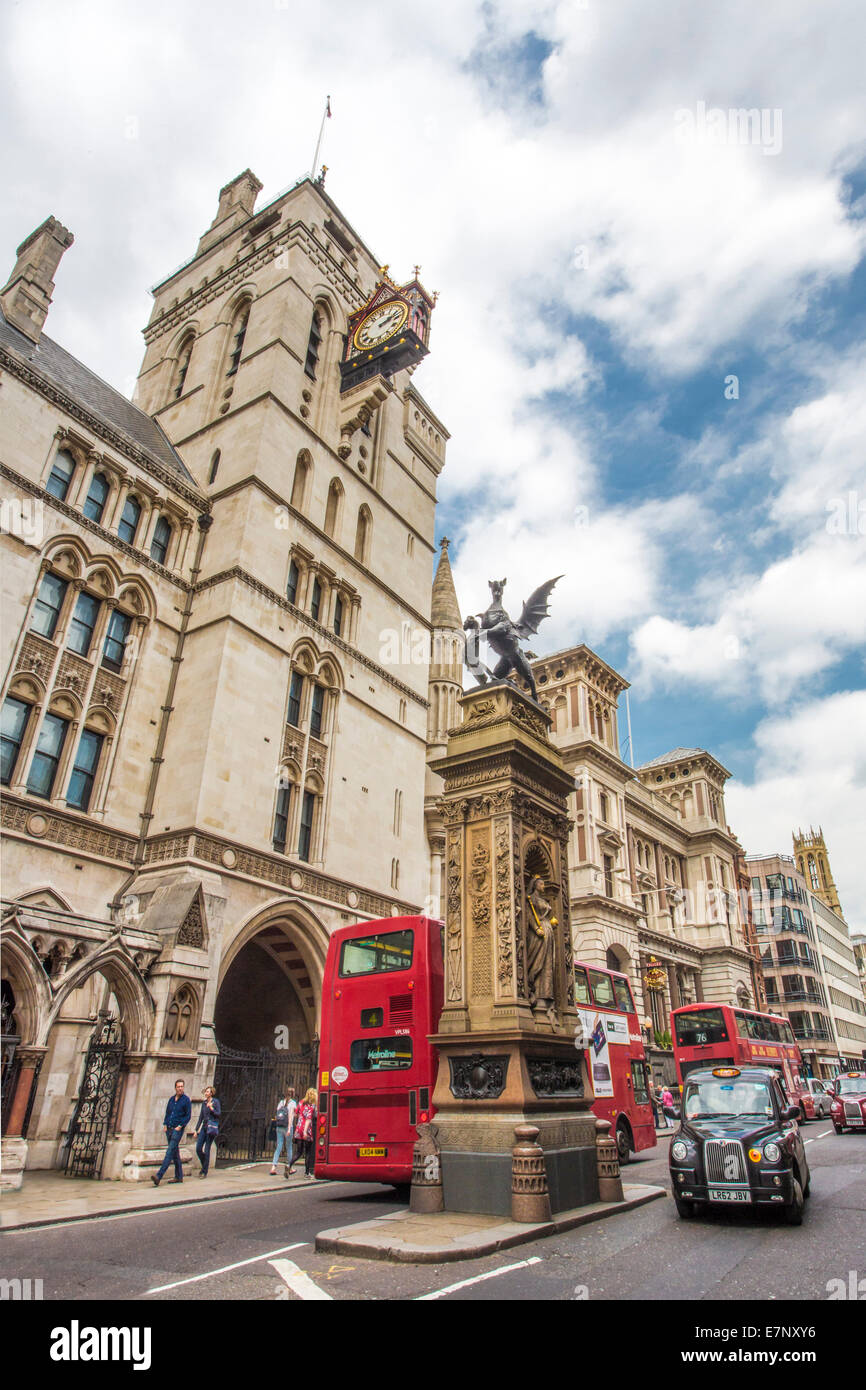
(541, 948)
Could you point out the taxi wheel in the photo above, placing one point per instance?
(838, 1128)
(684, 1208)
(808, 1188)
(794, 1211)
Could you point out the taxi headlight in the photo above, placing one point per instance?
(679, 1150)
(772, 1153)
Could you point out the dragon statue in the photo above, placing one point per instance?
(504, 636)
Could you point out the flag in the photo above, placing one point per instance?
(328, 107)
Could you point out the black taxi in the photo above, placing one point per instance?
(738, 1144)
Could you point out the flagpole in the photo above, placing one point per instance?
(319, 141)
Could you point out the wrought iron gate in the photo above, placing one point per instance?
(88, 1132)
(248, 1086)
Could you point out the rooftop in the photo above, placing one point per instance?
(59, 368)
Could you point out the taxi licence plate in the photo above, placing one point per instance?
(726, 1194)
(373, 1153)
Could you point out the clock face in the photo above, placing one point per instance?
(385, 320)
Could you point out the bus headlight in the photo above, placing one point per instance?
(679, 1150)
(772, 1153)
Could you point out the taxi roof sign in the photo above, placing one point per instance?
(726, 1071)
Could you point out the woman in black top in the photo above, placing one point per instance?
(207, 1128)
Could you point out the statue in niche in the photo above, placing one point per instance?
(541, 948)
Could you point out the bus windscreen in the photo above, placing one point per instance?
(381, 1054)
(700, 1026)
(374, 955)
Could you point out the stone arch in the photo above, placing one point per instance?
(305, 656)
(67, 555)
(137, 595)
(302, 479)
(536, 860)
(114, 963)
(26, 974)
(27, 686)
(618, 958)
(330, 673)
(297, 943)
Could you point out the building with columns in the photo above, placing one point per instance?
(654, 870)
(216, 713)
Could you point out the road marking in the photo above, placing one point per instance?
(479, 1279)
(299, 1282)
(254, 1259)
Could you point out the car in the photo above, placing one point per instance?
(820, 1099)
(848, 1102)
(738, 1144)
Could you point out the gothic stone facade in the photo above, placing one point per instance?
(214, 748)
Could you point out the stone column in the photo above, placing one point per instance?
(506, 1033)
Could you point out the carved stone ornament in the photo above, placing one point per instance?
(552, 1077)
(478, 1077)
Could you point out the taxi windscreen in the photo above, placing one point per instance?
(852, 1085)
(716, 1098)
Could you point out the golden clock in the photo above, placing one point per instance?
(380, 324)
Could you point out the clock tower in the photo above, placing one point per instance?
(389, 332)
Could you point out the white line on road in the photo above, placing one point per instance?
(479, 1279)
(299, 1282)
(265, 1255)
(818, 1136)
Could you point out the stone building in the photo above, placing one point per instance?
(809, 959)
(655, 871)
(217, 605)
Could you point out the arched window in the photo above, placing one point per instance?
(84, 768)
(308, 817)
(183, 356)
(161, 538)
(303, 467)
(338, 616)
(83, 623)
(128, 524)
(281, 814)
(362, 535)
(313, 345)
(46, 759)
(178, 1020)
(16, 716)
(214, 466)
(238, 333)
(332, 511)
(49, 602)
(97, 497)
(61, 473)
(293, 581)
(316, 599)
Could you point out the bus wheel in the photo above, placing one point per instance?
(794, 1212)
(623, 1142)
(685, 1209)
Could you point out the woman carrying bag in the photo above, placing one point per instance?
(285, 1122)
(207, 1128)
(305, 1130)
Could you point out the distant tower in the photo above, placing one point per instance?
(813, 862)
(444, 687)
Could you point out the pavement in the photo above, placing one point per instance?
(46, 1197)
(436, 1238)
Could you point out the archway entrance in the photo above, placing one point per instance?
(265, 1024)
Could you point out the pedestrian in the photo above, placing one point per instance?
(285, 1122)
(655, 1103)
(668, 1107)
(305, 1130)
(207, 1128)
(178, 1113)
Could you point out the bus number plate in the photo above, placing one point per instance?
(727, 1194)
(373, 1153)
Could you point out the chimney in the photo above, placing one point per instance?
(236, 205)
(27, 294)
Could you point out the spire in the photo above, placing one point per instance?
(445, 610)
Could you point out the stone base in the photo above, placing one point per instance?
(140, 1165)
(475, 1151)
(13, 1160)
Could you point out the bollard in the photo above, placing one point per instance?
(530, 1199)
(607, 1163)
(426, 1192)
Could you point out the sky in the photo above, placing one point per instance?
(647, 226)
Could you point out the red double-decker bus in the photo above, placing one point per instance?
(707, 1035)
(616, 1061)
(382, 996)
(381, 1000)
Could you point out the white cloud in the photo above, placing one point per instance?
(811, 770)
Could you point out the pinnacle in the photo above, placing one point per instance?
(445, 610)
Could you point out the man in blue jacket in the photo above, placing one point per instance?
(177, 1117)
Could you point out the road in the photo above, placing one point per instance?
(262, 1247)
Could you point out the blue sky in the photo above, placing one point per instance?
(605, 259)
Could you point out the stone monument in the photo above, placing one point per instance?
(506, 1037)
